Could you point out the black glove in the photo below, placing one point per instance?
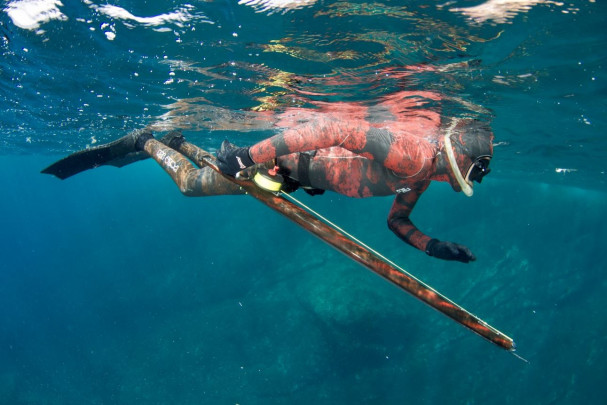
(231, 159)
(449, 251)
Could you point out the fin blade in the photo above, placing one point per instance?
(117, 153)
(78, 162)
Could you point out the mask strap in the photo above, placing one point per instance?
(453, 163)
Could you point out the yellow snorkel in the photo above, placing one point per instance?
(465, 186)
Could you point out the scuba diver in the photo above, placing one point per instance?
(359, 151)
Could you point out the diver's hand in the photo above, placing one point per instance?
(449, 251)
(231, 159)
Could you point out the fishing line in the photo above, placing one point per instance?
(340, 229)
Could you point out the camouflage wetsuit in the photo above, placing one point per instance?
(354, 156)
(387, 149)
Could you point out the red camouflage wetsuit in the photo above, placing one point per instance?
(385, 149)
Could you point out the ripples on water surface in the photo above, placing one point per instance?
(80, 73)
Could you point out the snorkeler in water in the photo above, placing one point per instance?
(390, 148)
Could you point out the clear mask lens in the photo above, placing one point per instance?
(478, 169)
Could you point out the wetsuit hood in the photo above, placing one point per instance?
(468, 144)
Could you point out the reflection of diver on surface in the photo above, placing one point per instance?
(356, 157)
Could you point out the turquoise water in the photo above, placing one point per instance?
(115, 288)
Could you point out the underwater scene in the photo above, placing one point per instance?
(116, 288)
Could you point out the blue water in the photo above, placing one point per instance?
(116, 289)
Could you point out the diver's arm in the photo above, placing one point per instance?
(321, 133)
(401, 225)
(391, 146)
(404, 155)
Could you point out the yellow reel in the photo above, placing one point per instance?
(268, 182)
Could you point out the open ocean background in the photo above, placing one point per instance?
(116, 289)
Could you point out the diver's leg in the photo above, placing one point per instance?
(193, 152)
(190, 180)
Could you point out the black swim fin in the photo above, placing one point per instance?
(117, 153)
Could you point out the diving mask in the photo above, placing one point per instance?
(478, 169)
(476, 172)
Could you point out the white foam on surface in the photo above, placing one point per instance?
(176, 17)
(272, 6)
(30, 14)
(497, 11)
